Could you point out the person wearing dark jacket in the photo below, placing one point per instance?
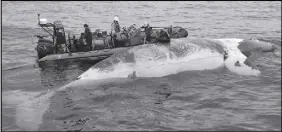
(88, 36)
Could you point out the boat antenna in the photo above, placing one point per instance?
(38, 17)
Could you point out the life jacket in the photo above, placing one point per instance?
(60, 38)
(115, 26)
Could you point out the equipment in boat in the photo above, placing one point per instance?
(58, 43)
(104, 45)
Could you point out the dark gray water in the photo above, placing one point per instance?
(192, 100)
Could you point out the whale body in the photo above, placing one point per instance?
(181, 55)
(184, 54)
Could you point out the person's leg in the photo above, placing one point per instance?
(90, 44)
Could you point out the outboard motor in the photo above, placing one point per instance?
(58, 43)
(44, 47)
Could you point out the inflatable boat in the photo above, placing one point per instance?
(60, 46)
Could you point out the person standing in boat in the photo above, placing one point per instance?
(88, 36)
(115, 29)
(148, 31)
(115, 26)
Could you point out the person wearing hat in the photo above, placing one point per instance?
(88, 35)
(148, 31)
(115, 26)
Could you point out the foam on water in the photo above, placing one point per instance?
(16, 97)
(30, 106)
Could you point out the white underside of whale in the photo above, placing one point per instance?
(234, 55)
(196, 59)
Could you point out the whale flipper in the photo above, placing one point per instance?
(250, 64)
(250, 60)
(253, 48)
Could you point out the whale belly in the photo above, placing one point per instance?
(241, 68)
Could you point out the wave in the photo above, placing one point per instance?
(30, 106)
(29, 114)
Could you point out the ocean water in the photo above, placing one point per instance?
(166, 95)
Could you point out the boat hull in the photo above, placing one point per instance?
(97, 54)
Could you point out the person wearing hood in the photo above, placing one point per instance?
(88, 36)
